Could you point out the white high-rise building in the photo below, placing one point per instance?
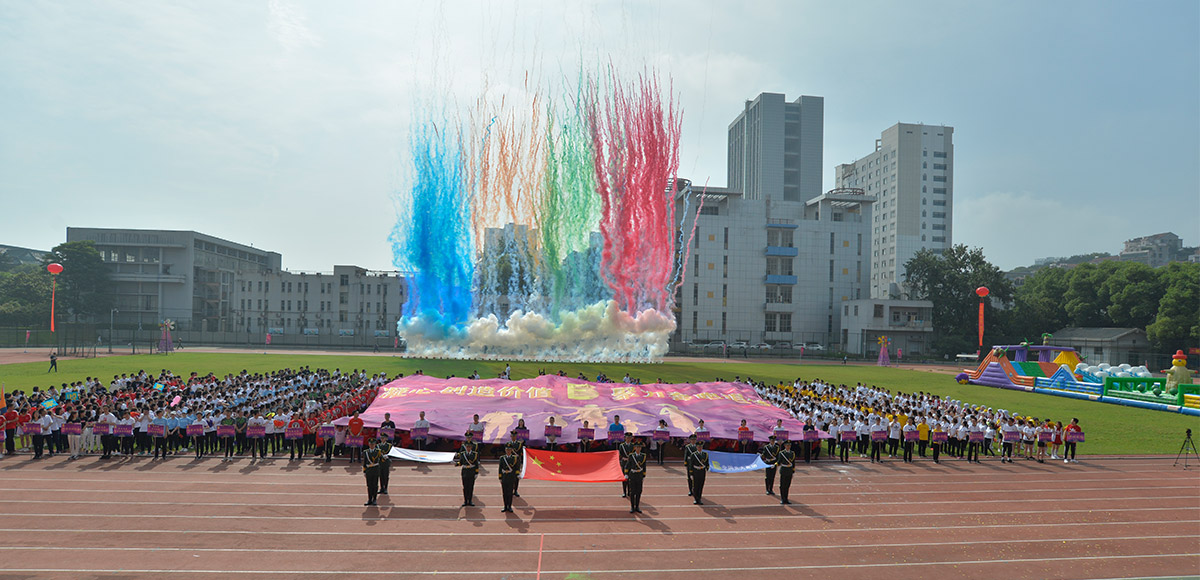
(775, 148)
(911, 174)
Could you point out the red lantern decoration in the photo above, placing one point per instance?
(982, 291)
(55, 269)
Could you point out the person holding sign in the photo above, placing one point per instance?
(468, 460)
(878, 438)
(41, 424)
(552, 432)
(372, 458)
(909, 439)
(635, 472)
(518, 447)
(1071, 435)
(846, 435)
(476, 429)
(227, 434)
(355, 429)
(743, 441)
(326, 432)
(1008, 435)
(1041, 439)
(770, 456)
(585, 437)
(387, 427)
(661, 435)
(295, 446)
(420, 431)
(616, 433)
(937, 438)
(787, 468)
(509, 474)
(697, 467)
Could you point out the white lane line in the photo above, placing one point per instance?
(798, 489)
(590, 534)
(938, 543)
(1073, 501)
(510, 572)
(535, 510)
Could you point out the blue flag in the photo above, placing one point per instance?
(721, 462)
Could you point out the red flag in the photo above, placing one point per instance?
(583, 467)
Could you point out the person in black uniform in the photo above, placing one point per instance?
(635, 473)
(787, 467)
(770, 456)
(372, 457)
(508, 478)
(385, 465)
(697, 465)
(624, 448)
(468, 459)
(518, 448)
(688, 450)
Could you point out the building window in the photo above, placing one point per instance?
(770, 321)
(779, 266)
(726, 238)
(779, 294)
(724, 266)
(878, 311)
(941, 178)
(785, 322)
(939, 154)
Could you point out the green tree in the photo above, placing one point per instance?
(1133, 291)
(1038, 304)
(84, 287)
(25, 297)
(949, 280)
(1177, 325)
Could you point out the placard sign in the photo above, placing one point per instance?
(256, 432)
(782, 435)
(848, 435)
(31, 428)
(661, 435)
(195, 430)
(1011, 436)
(812, 435)
(3, 435)
(354, 440)
(1074, 436)
(388, 433)
(939, 437)
(745, 435)
(418, 433)
(522, 434)
(879, 436)
(72, 429)
(703, 436)
(226, 430)
(912, 435)
(123, 430)
(586, 434)
(324, 431)
(975, 436)
(553, 430)
(157, 430)
(1046, 436)
(614, 435)
(101, 429)
(294, 433)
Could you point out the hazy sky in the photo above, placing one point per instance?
(284, 124)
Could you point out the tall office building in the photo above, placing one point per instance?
(775, 148)
(911, 174)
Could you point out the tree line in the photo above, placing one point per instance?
(1165, 302)
(84, 288)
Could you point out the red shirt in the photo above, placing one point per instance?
(356, 426)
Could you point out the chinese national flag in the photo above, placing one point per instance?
(583, 467)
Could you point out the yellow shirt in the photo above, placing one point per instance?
(923, 432)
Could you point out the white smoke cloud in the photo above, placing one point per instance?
(600, 332)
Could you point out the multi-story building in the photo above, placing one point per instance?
(775, 148)
(350, 301)
(906, 326)
(207, 284)
(1154, 251)
(770, 270)
(911, 174)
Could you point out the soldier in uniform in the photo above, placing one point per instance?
(518, 448)
(468, 459)
(624, 448)
(787, 467)
(508, 477)
(770, 456)
(372, 457)
(697, 466)
(635, 474)
(385, 465)
(688, 450)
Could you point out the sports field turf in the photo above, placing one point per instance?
(1111, 429)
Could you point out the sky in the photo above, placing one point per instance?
(285, 124)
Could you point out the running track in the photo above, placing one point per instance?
(134, 518)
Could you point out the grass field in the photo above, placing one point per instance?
(1111, 429)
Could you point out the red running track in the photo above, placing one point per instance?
(134, 518)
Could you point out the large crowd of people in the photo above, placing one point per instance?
(292, 412)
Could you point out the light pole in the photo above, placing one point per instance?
(111, 314)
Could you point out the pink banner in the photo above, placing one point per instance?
(449, 404)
